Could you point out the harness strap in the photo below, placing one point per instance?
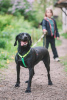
(23, 58)
(23, 62)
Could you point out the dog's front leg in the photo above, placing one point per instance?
(31, 73)
(18, 75)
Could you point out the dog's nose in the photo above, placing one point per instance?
(25, 37)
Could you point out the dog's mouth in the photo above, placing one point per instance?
(24, 43)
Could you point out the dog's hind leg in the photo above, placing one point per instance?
(31, 73)
(47, 65)
(48, 71)
(18, 75)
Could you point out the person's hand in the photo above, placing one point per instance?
(57, 38)
(45, 32)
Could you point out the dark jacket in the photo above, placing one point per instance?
(46, 25)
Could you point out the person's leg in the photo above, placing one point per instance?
(44, 41)
(47, 42)
(52, 42)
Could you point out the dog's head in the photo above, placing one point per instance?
(24, 39)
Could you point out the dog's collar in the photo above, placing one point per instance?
(24, 57)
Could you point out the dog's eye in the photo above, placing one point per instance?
(27, 35)
(23, 34)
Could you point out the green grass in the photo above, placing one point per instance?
(64, 62)
(64, 59)
(58, 42)
(5, 57)
(64, 35)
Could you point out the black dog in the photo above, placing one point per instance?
(28, 57)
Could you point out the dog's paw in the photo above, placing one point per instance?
(26, 81)
(50, 83)
(17, 85)
(28, 90)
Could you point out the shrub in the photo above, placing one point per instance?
(2, 43)
(59, 24)
(5, 35)
(3, 58)
(4, 21)
(4, 6)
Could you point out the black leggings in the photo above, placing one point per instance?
(51, 40)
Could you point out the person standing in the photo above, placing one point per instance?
(49, 25)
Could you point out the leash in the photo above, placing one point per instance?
(43, 36)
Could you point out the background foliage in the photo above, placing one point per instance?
(32, 10)
(18, 16)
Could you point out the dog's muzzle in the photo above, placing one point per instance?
(24, 43)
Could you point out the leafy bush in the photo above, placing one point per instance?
(4, 21)
(30, 9)
(4, 6)
(2, 43)
(5, 34)
(59, 24)
(4, 56)
(21, 6)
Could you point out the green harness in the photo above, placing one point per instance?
(24, 57)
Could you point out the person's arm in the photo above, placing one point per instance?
(44, 26)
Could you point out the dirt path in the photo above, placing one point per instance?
(40, 88)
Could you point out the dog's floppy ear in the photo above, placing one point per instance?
(16, 40)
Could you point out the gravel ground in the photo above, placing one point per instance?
(40, 89)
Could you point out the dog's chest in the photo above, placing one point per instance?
(24, 61)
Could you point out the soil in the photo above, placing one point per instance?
(40, 88)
